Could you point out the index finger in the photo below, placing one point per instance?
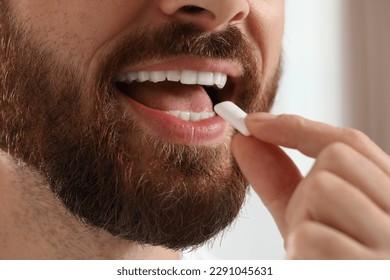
(311, 137)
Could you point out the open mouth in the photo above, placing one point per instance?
(214, 86)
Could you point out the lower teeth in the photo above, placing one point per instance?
(191, 116)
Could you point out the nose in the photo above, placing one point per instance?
(209, 14)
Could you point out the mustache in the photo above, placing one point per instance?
(176, 39)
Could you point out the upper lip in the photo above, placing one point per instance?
(232, 69)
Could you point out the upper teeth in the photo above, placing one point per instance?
(186, 77)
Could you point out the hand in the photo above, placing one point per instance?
(341, 210)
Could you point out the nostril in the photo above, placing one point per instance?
(191, 9)
(210, 15)
(238, 17)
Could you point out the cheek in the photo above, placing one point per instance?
(75, 29)
(266, 27)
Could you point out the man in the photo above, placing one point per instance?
(111, 150)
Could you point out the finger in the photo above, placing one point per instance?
(314, 241)
(310, 137)
(271, 173)
(328, 199)
(343, 161)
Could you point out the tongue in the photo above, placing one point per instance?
(168, 96)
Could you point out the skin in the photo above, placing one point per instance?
(340, 210)
(80, 33)
(351, 173)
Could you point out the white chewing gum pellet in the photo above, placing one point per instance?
(233, 114)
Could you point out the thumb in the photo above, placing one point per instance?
(271, 173)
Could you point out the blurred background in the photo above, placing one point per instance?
(337, 71)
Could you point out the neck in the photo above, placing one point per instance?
(35, 225)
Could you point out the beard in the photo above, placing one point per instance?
(99, 161)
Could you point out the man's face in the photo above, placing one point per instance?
(112, 102)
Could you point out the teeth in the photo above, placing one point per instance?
(206, 78)
(185, 77)
(188, 77)
(185, 116)
(173, 76)
(191, 116)
(220, 80)
(158, 76)
(143, 76)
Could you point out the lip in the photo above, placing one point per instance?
(206, 132)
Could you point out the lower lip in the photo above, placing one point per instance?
(205, 132)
